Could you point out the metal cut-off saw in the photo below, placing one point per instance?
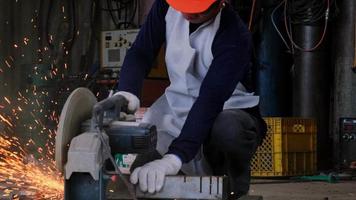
(90, 133)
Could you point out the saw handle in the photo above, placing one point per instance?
(116, 103)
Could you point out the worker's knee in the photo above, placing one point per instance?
(234, 131)
(230, 125)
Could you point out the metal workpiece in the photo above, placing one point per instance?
(177, 187)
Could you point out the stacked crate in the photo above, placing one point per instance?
(289, 148)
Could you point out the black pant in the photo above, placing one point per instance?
(231, 144)
(229, 148)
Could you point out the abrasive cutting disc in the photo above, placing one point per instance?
(76, 110)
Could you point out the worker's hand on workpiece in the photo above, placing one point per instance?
(151, 175)
(134, 102)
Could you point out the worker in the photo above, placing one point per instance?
(208, 122)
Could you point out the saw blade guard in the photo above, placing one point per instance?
(77, 109)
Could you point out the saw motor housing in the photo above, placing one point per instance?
(83, 151)
(86, 154)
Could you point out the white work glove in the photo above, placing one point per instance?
(134, 102)
(151, 175)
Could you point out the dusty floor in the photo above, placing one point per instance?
(284, 190)
(305, 190)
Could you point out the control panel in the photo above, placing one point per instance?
(347, 141)
(114, 45)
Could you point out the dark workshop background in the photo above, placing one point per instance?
(50, 47)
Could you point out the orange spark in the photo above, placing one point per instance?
(22, 175)
(7, 100)
(7, 63)
(50, 38)
(26, 40)
(5, 120)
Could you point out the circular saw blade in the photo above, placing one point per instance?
(76, 110)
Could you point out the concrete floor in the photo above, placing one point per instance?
(305, 190)
(275, 190)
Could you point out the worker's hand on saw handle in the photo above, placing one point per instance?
(134, 102)
(151, 175)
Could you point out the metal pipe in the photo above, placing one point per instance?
(354, 67)
(273, 74)
(344, 87)
(311, 80)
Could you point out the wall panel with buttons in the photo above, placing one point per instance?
(114, 45)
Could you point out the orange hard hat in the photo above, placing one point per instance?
(191, 6)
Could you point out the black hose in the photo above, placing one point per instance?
(49, 11)
(72, 34)
(109, 7)
(92, 14)
(306, 12)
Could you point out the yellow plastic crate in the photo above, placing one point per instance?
(289, 148)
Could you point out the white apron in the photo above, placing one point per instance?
(188, 58)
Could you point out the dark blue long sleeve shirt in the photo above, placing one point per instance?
(231, 51)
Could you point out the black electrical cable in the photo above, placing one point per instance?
(71, 36)
(134, 11)
(41, 30)
(276, 27)
(109, 5)
(125, 17)
(129, 20)
(306, 11)
(122, 10)
(112, 9)
(49, 11)
(40, 18)
(92, 14)
(138, 13)
(118, 6)
(304, 21)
